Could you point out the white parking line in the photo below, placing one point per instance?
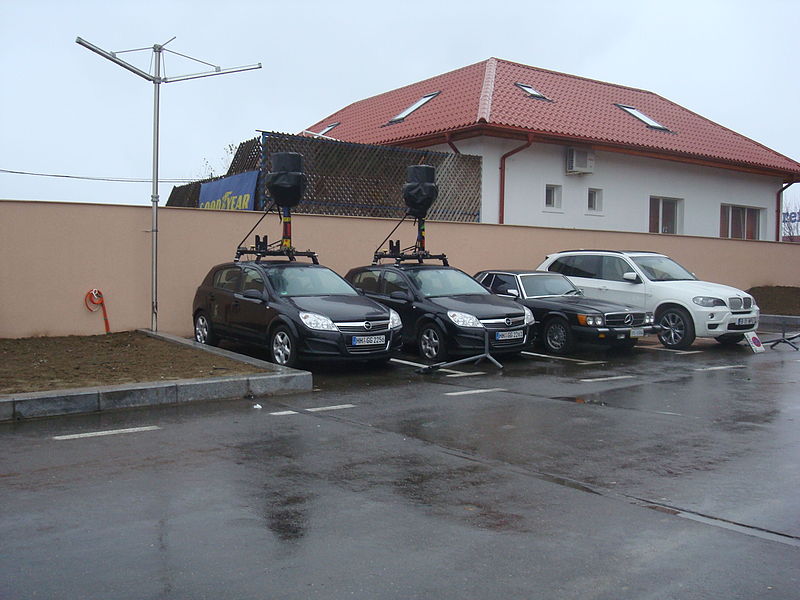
(722, 368)
(283, 413)
(466, 392)
(670, 350)
(466, 374)
(577, 360)
(76, 436)
(607, 378)
(335, 407)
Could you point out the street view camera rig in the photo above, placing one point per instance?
(286, 184)
(419, 192)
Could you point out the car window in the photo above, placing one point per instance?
(367, 281)
(587, 265)
(614, 268)
(561, 265)
(252, 280)
(485, 279)
(661, 268)
(504, 282)
(227, 279)
(547, 285)
(311, 281)
(393, 282)
(445, 282)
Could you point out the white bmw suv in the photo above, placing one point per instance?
(685, 307)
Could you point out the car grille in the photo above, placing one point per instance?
(504, 324)
(360, 327)
(632, 319)
(740, 303)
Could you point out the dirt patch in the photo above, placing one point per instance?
(38, 364)
(777, 300)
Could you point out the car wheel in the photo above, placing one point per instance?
(431, 343)
(282, 347)
(677, 328)
(203, 331)
(730, 339)
(557, 336)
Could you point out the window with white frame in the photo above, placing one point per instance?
(666, 215)
(594, 200)
(739, 222)
(552, 197)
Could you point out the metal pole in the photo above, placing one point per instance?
(154, 196)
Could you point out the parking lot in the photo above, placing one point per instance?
(652, 473)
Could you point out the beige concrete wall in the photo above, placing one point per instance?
(51, 254)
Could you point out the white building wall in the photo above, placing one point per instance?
(626, 183)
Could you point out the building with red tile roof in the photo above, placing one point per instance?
(565, 151)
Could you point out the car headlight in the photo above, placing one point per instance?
(707, 301)
(529, 320)
(315, 321)
(464, 319)
(394, 320)
(591, 320)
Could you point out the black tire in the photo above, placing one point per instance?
(730, 339)
(204, 331)
(431, 343)
(677, 328)
(283, 347)
(557, 336)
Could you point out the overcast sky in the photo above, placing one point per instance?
(65, 110)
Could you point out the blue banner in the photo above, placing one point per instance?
(237, 192)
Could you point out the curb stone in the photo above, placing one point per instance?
(274, 381)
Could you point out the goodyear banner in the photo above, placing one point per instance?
(237, 192)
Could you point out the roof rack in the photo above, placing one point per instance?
(263, 249)
(399, 256)
(611, 251)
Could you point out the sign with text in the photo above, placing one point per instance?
(236, 192)
(755, 343)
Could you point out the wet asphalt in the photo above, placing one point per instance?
(649, 474)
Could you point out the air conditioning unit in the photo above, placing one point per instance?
(579, 161)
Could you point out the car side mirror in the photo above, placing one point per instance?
(253, 294)
(512, 292)
(632, 277)
(400, 295)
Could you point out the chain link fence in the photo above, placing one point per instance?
(361, 180)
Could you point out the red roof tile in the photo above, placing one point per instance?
(575, 109)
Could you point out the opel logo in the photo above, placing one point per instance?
(367, 325)
(629, 319)
(508, 322)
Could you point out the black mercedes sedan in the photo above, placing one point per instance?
(444, 311)
(564, 315)
(298, 311)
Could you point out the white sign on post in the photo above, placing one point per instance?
(755, 343)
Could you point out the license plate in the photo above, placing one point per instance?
(638, 332)
(746, 321)
(508, 335)
(368, 340)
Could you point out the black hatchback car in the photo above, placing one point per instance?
(299, 311)
(445, 311)
(564, 315)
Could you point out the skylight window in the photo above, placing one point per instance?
(418, 104)
(642, 117)
(531, 91)
(328, 128)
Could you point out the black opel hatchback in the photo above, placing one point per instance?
(445, 311)
(299, 311)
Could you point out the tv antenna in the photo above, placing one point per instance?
(156, 79)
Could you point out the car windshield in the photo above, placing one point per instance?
(547, 285)
(661, 268)
(311, 281)
(445, 282)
